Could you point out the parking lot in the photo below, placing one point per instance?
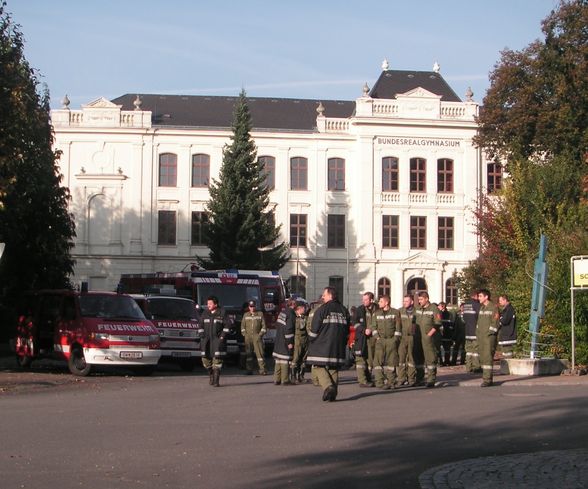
(113, 430)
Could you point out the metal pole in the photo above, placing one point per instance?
(572, 313)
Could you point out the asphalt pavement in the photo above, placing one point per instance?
(113, 430)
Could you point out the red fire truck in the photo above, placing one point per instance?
(86, 329)
(234, 288)
(176, 319)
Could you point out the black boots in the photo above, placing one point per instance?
(210, 376)
(215, 377)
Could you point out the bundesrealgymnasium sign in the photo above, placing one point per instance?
(422, 142)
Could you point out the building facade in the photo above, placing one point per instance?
(372, 194)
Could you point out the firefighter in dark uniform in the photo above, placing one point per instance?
(447, 334)
(313, 308)
(361, 323)
(300, 344)
(214, 328)
(328, 341)
(406, 365)
(486, 332)
(386, 329)
(459, 342)
(428, 320)
(253, 329)
(508, 327)
(471, 308)
(284, 343)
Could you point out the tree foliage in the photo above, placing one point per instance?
(241, 232)
(535, 120)
(34, 219)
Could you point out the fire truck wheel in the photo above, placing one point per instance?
(24, 361)
(187, 365)
(77, 362)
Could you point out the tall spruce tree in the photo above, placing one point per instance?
(241, 231)
(34, 220)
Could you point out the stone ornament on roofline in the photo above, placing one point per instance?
(469, 95)
(137, 103)
(385, 65)
(436, 67)
(366, 90)
(65, 102)
(320, 110)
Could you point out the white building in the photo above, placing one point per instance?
(377, 192)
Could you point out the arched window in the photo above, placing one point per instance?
(298, 173)
(418, 175)
(168, 170)
(298, 285)
(384, 287)
(336, 282)
(200, 170)
(445, 175)
(390, 174)
(268, 165)
(336, 177)
(451, 292)
(414, 286)
(494, 175)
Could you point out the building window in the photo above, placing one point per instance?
(389, 231)
(336, 231)
(384, 287)
(494, 177)
(298, 173)
(451, 292)
(268, 168)
(337, 283)
(336, 179)
(390, 174)
(298, 230)
(168, 170)
(166, 230)
(298, 285)
(414, 286)
(418, 173)
(445, 175)
(445, 233)
(200, 170)
(199, 227)
(418, 232)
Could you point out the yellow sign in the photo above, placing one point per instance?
(580, 272)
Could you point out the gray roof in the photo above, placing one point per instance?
(217, 112)
(286, 114)
(393, 82)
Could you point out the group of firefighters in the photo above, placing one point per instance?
(392, 347)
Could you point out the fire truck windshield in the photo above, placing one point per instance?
(110, 307)
(171, 308)
(229, 296)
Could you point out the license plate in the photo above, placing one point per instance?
(180, 354)
(131, 354)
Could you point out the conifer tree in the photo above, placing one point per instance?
(35, 223)
(241, 232)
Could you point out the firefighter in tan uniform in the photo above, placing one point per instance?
(253, 329)
(300, 344)
(386, 329)
(428, 320)
(486, 331)
(406, 365)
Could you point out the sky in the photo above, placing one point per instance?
(311, 49)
